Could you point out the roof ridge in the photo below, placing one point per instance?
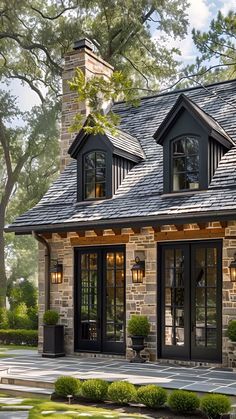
(178, 91)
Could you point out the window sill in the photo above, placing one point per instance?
(182, 193)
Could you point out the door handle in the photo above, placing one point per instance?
(192, 327)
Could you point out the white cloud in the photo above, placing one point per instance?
(199, 14)
(227, 6)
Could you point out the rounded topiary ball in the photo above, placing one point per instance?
(152, 396)
(67, 386)
(95, 389)
(215, 405)
(121, 392)
(182, 401)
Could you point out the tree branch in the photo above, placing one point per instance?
(56, 16)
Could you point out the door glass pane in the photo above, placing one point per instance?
(205, 260)
(114, 318)
(174, 297)
(88, 297)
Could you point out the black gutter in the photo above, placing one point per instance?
(47, 265)
(125, 222)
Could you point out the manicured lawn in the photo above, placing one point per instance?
(52, 410)
(11, 347)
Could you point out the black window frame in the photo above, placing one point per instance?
(172, 158)
(95, 151)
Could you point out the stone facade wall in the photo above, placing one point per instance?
(228, 288)
(91, 65)
(140, 298)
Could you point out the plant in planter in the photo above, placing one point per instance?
(231, 330)
(138, 329)
(53, 335)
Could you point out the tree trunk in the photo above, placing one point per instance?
(3, 277)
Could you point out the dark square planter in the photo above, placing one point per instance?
(53, 341)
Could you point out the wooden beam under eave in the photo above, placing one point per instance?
(116, 231)
(98, 232)
(179, 227)
(105, 240)
(136, 230)
(80, 233)
(156, 229)
(207, 233)
(62, 235)
(47, 235)
(223, 224)
(202, 226)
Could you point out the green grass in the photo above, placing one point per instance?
(65, 411)
(7, 347)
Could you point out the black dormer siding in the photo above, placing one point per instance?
(120, 168)
(215, 152)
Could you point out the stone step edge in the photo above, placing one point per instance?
(11, 380)
(25, 390)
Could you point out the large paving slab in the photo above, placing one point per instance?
(33, 367)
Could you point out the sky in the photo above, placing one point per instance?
(200, 12)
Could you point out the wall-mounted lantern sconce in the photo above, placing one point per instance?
(138, 271)
(232, 268)
(56, 273)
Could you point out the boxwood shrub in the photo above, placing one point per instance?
(215, 405)
(121, 392)
(67, 386)
(182, 401)
(95, 389)
(152, 396)
(19, 337)
(231, 330)
(50, 317)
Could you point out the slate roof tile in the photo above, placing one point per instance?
(140, 194)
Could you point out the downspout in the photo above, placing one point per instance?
(47, 259)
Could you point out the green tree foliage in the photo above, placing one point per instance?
(217, 47)
(28, 164)
(35, 35)
(22, 291)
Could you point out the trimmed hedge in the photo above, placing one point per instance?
(67, 386)
(121, 392)
(95, 389)
(19, 337)
(152, 396)
(231, 330)
(215, 405)
(182, 401)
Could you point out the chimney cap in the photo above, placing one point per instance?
(83, 43)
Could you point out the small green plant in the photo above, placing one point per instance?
(138, 326)
(51, 317)
(121, 392)
(95, 389)
(152, 396)
(215, 405)
(67, 386)
(181, 401)
(231, 330)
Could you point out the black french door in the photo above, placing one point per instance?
(190, 301)
(100, 299)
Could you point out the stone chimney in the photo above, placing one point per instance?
(91, 64)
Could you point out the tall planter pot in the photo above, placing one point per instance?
(53, 341)
(137, 346)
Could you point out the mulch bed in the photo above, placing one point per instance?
(164, 413)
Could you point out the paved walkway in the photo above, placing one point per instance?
(34, 367)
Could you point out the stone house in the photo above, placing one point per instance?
(163, 190)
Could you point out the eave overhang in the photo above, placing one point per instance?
(125, 222)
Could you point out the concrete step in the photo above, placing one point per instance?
(21, 381)
(25, 391)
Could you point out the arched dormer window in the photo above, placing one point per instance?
(185, 164)
(94, 175)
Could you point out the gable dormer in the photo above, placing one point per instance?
(193, 144)
(103, 161)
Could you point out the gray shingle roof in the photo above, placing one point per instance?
(123, 141)
(140, 194)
